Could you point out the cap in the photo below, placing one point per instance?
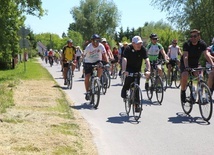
(125, 43)
(103, 40)
(137, 39)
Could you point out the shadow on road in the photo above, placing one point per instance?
(186, 119)
(122, 119)
(118, 84)
(82, 106)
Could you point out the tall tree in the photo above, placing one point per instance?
(191, 14)
(95, 16)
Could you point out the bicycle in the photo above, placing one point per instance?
(94, 87)
(114, 71)
(70, 75)
(134, 97)
(155, 83)
(175, 74)
(201, 96)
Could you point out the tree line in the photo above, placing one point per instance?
(102, 17)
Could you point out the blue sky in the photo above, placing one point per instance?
(134, 14)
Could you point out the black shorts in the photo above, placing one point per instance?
(88, 67)
(65, 64)
(172, 63)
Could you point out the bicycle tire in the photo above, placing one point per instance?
(68, 79)
(108, 78)
(205, 102)
(150, 89)
(164, 81)
(171, 79)
(177, 78)
(137, 92)
(128, 102)
(122, 77)
(159, 89)
(187, 106)
(95, 94)
(103, 81)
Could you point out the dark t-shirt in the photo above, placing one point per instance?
(134, 58)
(194, 52)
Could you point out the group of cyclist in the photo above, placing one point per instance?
(131, 58)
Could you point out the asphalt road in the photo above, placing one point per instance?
(162, 129)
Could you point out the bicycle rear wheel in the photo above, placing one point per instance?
(188, 104)
(177, 78)
(150, 89)
(171, 78)
(205, 102)
(122, 77)
(103, 81)
(159, 90)
(95, 94)
(137, 102)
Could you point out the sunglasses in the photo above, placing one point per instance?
(154, 38)
(96, 41)
(193, 36)
(174, 43)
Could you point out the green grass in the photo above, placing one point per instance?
(30, 70)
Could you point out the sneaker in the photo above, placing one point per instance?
(83, 76)
(183, 96)
(146, 85)
(87, 96)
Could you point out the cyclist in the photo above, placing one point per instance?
(108, 49)
(115, 53)
(192, 50)
(50, 56)
(173, 52)
(68, 54)
(79, 54)
(93, 54)
(153, 49)
(132, 63)
(125, 44)
(210, 82)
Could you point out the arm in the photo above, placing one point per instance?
(208, 57)
(148, 67)
(179, 51)
(124, 63)
(185, 58)
(164, 54)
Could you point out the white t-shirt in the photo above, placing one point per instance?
(94, 54)
(78, 52)
(173, 52)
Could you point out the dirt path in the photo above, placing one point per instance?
(36, 125)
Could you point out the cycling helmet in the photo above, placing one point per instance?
(95, 36)
(153, 36)
(70, 41)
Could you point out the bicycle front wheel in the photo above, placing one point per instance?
(69, 79)
(104, 82)
(159, 89)
(95, 94)
(137, 102)
(164, 80)
(205, 102)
